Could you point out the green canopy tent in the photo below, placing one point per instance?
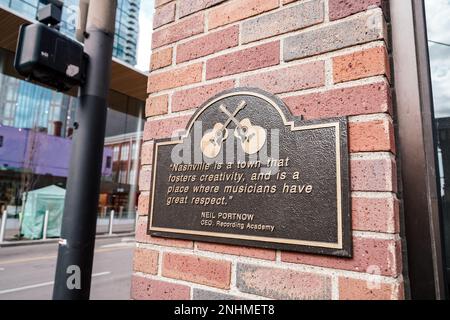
(38, 201)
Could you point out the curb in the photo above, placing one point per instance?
(47, 241)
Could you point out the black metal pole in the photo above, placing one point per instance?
(76, 248)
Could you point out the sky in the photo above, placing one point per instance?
(438, 24)
(145, 34)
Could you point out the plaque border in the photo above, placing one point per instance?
(277, 104)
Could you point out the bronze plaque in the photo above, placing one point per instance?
(246, 172)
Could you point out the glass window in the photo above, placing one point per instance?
(116, 153)
(125, 152)
(127, 10)
(36, 126)
(134, 151)
(7, 110)
(438, 26)
(123, 176)
(108, 162)
(25, 7)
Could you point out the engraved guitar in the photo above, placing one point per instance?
(252, 137)
(212, 141)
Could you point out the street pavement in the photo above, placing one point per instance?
(27, 272)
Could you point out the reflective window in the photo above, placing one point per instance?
(438, 25)
(134, 151)
(125, 151)
(36, 128)
(116, 153)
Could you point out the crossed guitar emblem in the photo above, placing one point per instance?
(252, 138)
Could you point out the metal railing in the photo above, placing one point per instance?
(3, 226)
(113, 223)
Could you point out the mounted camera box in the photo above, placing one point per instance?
(48, 57)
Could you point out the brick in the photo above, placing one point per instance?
(288, 1)
(237, 10)
(147, 153)
(373, 175)
(282, 284)
(141, 230)
(375, 256)
(375, 214)
(161, 58)
(356, 289)
(194, 97)
(164, 15)
(292, 78)
(196, 269)
(175, 78)
(159, 3)
(143, 237)
(208, 44)
(145, 260)
(358, 30)
(143, 204)
(150, 289)
(253, 58)
(187, 7)
(201, 294)
(375, 135)
(145, 178)
(182, 29)
(264, 254)
(357, 100)
(156, 105)
(361, 64)
(164, 128)
(343, 8)
(293, 18)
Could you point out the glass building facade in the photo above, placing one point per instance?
(127, 30)
(36, 127)
(127, 23)
(37, 123)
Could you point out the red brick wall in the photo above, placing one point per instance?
(324, 58)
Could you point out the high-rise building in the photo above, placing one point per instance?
(127, 23)
(127, 30)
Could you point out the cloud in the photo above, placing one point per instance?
(438, 24)
(145, 34)
(440, 74)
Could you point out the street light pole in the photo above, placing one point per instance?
(76, 248)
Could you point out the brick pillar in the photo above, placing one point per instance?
(324, 58)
